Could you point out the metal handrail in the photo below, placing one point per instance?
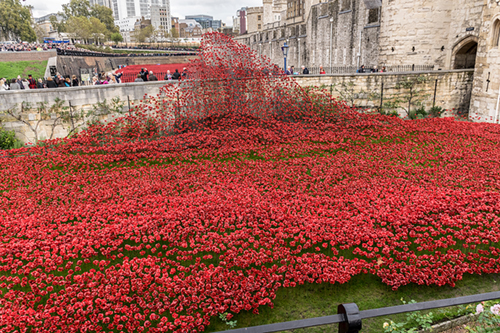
(350, 318)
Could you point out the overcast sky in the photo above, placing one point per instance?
(219, 9)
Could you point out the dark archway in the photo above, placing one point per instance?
(465, 57)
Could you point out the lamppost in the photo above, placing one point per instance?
(260, 49)
(285, 48)
(331, 37)
(298, 47)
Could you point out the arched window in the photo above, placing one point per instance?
(496, 33)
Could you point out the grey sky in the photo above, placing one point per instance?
(219, 9)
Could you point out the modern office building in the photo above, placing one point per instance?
(130, 8)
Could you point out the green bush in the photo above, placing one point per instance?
(436, 111)
(8, 140)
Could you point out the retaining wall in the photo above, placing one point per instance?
(452, 92)
(27, 56)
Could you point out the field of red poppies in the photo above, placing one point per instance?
(217, 192)
(130, 72)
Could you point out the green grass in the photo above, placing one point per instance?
(367, 291)
(12, 69)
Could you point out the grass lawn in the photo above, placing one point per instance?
(12, 69)
(367, 291)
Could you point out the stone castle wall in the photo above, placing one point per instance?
(486, 90)
(452, 92)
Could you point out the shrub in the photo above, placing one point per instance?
(436, 111)
(8, 139)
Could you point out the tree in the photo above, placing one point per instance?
(16, 21)
(174, 33)
(79, 27)
(59, 26)
(141, 35)
(116, 37)
(97, 29)
(40, 33)
(76, 8)
(105, 15)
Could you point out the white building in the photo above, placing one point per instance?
(161, 17)
(127, 26)
(106, 3)
(130, 8)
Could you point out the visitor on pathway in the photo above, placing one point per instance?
(361, 69)
(184, 73)
(40, 84)
(26, 85)
(67, 82)
(14, 85)
(95, 81)
(292, 70)
(31, 82)
(168, 76)
(74, 81)
(19, 81)
(118, 77)
(144, 74)
(176, 75)
(321, 70)
(383, 70)
(305, 71)
(3, 86)
(59, 80)
(152, 77)
(139, 78)
(51, 83)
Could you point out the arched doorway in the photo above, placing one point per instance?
(465, 56)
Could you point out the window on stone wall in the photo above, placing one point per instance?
(345, 5)
(258, 18)
(496, 33)
(259, 26)
(373, 15)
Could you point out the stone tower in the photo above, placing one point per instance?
(485, 104)
(268, 11)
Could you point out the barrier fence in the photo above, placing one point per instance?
(77, 53)
(354, 69)
(349, 318)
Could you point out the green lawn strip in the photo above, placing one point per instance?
(11, 69)
(367, 291)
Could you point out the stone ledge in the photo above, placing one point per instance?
(441, 327)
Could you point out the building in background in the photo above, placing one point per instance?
(106, 3)
(127, 27)
(44, 23)
(206, 21)
(130, 8)
(161, 18)
(255, 21)
(190, 28)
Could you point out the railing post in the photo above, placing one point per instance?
(352, 322)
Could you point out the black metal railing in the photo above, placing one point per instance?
(77, 53)
(354, 69)
(350, 318)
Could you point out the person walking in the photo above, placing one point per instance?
(152, 77)
(176, 75)
(184, 74)
(95, 81)
(321, 70)
(51, 83)
(305, 71)
(31, 82)
(67, 82)
(59, 81)
(361, 69)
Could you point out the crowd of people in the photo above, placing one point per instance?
(60, 81)
(26, 47)
(304, 71)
